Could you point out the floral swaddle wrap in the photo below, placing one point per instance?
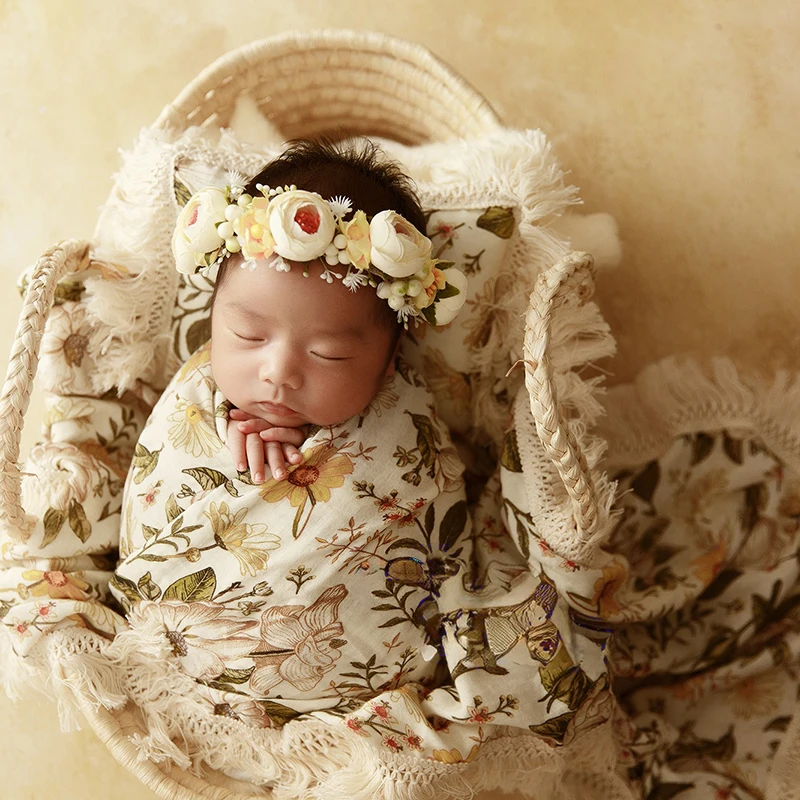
(347, 591)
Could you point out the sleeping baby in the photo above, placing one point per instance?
(294, 502)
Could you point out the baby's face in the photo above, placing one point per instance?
(293, 350)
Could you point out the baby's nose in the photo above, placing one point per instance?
(280, 370)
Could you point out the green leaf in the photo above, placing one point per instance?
(448, 291)
(125, 587)
(413, 544)
(510, 458)
(430, 519)
(53, 520)
(235, 676)
(427, 438)
(453, 524)
(182, 193)
(279, 714)
(197, 586)
(80, 525)
(68, 291)
(198, 334)
(554, 728)
(144, 461)
(173, 509)
(149, 532)
(499, 221)
(148, 588)
(151, 557)
(523, 540)
(211, 478)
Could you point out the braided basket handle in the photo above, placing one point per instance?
(570, 277)
(66, 257)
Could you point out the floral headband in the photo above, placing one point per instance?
(386, 252)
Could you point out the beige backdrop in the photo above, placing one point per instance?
(680, 118)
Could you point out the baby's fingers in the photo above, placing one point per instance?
(291, 453)
(295, 436)
(255, 457)
(235, 440)
(238, 414)
(277, 465)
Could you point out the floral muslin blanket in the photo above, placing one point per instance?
(348, 590)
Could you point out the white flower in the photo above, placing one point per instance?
(302, 225)
(62, 474)
(193, 431)
(200, 637)
(195, 229)
(65, 345)
(398, 249)
(340, 206)
(355, 279)
(446, 309)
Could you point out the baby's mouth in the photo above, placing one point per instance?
(277, 408)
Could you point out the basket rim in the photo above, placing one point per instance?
(433, 70)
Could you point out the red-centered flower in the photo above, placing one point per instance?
(390, 741)
(480, 715)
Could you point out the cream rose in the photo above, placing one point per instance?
(302, 225)
(398, 248)
(356, 231)
(252, 230)
(446, 309)
(196, 228)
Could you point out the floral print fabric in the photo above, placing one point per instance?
(350, 590)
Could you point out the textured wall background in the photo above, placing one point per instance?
(679, 118)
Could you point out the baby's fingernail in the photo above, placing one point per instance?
(240, 426)
(258, 477)
(295, 457)
(241, 466)
(278, 474)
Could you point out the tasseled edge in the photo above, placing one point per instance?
(679, 396)
(148, 713)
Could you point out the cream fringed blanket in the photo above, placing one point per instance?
(347, 600)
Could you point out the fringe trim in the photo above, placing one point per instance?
(579, 335)
(680, 396)
(166, 725)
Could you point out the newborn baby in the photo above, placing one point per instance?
(288, 589)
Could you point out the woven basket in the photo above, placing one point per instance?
(305, 84)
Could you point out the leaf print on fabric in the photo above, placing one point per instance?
(299, 644)
(323, 468)
(193, 429)
(144, 461)
(498, 220)
(192, 588)
(249, 543)
(200, 637)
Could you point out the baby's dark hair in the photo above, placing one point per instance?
(356, 168)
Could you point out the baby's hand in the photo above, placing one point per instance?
(254, 442)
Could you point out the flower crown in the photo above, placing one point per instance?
(387, 252)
